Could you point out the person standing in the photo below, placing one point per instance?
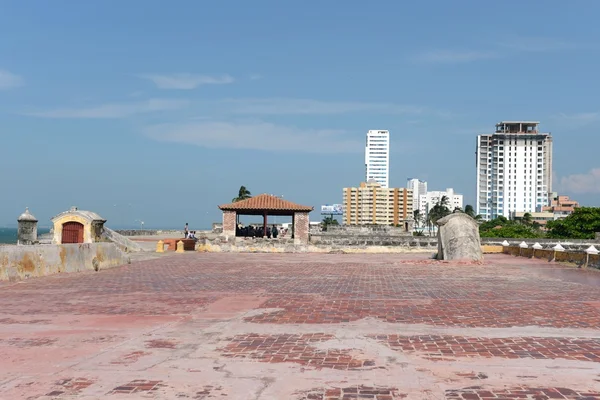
(275, 232)
(186, 231)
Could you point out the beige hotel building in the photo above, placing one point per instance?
(372, 204)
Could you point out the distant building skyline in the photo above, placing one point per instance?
(514, 169)
(418, 188)
(431, 198)
(377, 157)
(370, 203)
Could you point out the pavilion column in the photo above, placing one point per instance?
(265, 224)
(301, 227)
(229, 220)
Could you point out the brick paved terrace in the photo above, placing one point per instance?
(304, 326)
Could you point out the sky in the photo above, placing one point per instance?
(155, 111)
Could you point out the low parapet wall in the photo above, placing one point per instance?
(576, 257)
(340, 240)
(352, 243)
(366, 230)
(568, 244)
(22, 262)
(261, 245)
(146, 232)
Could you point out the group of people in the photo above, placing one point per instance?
(257, 231)
(189, 234)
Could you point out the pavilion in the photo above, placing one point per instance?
(265, 205)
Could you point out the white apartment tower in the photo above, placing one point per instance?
(377, 157)
(514, 169)
(428, 200)
(419, 188)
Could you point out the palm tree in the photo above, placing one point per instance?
(527, 219)
(470, 211)
(243, 194)
(440, 210)
(444, 201)
(418, 217)
(329, 221)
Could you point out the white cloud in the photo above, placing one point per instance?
(256, 135)
(498, 50)
(255, 77)
(283, 106)
(8, 80)
(186, 81)
(584, 117)
(581, 183)
(454, 56)
(113, 110)
(536, 44)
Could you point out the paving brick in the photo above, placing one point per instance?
(522, 393)
(463, 313)
(292, 349)
(72, 335)
(352, 392)
(437, 346)
(137, 386)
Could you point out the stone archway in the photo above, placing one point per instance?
(72, 232)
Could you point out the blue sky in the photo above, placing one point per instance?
(156, 111)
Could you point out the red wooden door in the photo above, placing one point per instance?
(72, 232)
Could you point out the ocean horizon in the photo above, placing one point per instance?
(9, 235)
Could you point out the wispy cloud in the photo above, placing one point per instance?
(581, 183)
(454, 56)
(536, 44)
(500, 49)
(113, 110)
(287, 106)
(8, 80)
(584, 117)
(256, 135)
(255, 77)
(186, 81)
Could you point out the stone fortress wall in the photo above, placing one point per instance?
(23, 262)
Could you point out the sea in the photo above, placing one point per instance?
(9, 235)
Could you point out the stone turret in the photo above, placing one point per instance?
(27, 232)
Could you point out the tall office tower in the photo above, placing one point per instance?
(377, 157)
(514, 169)
(419, 188)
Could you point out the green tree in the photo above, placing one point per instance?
(503, 228)
(582, 224)
(327, 221)
(243, 194)
(418, 217)
(439, 211)
(470, 211)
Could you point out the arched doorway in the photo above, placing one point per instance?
(72, 232)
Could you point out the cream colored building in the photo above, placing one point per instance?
(372, 204)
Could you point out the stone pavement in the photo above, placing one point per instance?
(304, 326)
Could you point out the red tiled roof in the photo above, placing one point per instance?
(265, 202)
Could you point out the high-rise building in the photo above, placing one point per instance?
(418, 188)
(514, 169)
(430, 199)
(370, 203)
(377, 157)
